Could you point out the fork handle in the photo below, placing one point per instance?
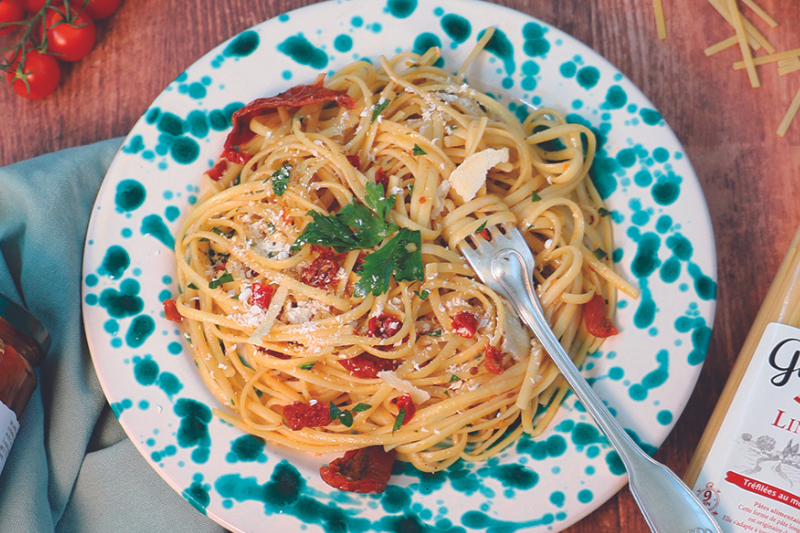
(667, 504)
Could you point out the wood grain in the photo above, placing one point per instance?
(750, 176)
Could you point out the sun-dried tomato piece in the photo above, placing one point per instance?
(171, 311)
(301, 415)
(384, 325)
(365, 471)
(261, 295)
(215, 172)
(382, 179)
(405, 402)
(367, 366)
(295, 97)
(493, 360)
(596, 320)
(321, 272)
(354, 160)
(465, 324)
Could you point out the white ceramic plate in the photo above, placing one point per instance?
(646, 374)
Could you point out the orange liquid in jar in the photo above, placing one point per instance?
(19, 355)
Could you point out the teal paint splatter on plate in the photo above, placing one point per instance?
(652, 379)
(193, 430)
(302, 51)
(501, 47)
(115, 262)
(154, 225)
(130, 195)
(456, 27)
(401, 8)
(140, 329)
(242, 45)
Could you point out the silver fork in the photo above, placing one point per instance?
(505, 264)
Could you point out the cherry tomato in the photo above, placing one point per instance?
(323, 271)
(171, 311)
(40, 71)
(367, 366)
(10, 11)
(465, 324)
(494, 360)
(100, 9)
(384, 325)
(69, 41)
(596, 320)
(301, 415)
(261, 295)
(365, 471)
(407, 404)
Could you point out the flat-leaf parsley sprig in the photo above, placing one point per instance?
(401, 257)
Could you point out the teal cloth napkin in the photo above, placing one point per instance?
(72, 469)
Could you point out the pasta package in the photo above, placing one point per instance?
(322, 292)
(747, 463)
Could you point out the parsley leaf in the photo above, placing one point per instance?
(328, 231)
(280, 179)
(454, 378)
(225, 277)
(604, 212)
(401, 256)
(482, 227)
(335, 231)
(306, 366)
(423, 294)
(399, 420)
(371, 230)
(361, 407)
(434, 333)
(343, 416)
(379, 203)
(226, 234)
(191, 286)
(378, 108)
(535, 196)
(600, 253)
(418, 151)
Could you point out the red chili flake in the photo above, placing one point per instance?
(272, 353)
(405, 402)
(285, 218)
(354, 160)
(322, 271)
(494, 360)
(486, 234)
(465, 324)
(382, 179)
(215, 173)
(301, 415)
(233, 155)
(365, 471)
(422, 199)
(261, 295)
(221, 266)
(367, 366)
(384, 325)
(473, 370)
(171, 311)
(596, 320)
(295, 97)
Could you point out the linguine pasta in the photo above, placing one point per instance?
(385, 332)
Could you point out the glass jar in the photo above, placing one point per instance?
(23, 344)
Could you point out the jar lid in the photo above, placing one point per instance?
(20, 318)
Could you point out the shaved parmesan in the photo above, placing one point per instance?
(517, 339)
(418, 395)
(468, 177)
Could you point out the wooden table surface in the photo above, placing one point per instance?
(750, 176)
